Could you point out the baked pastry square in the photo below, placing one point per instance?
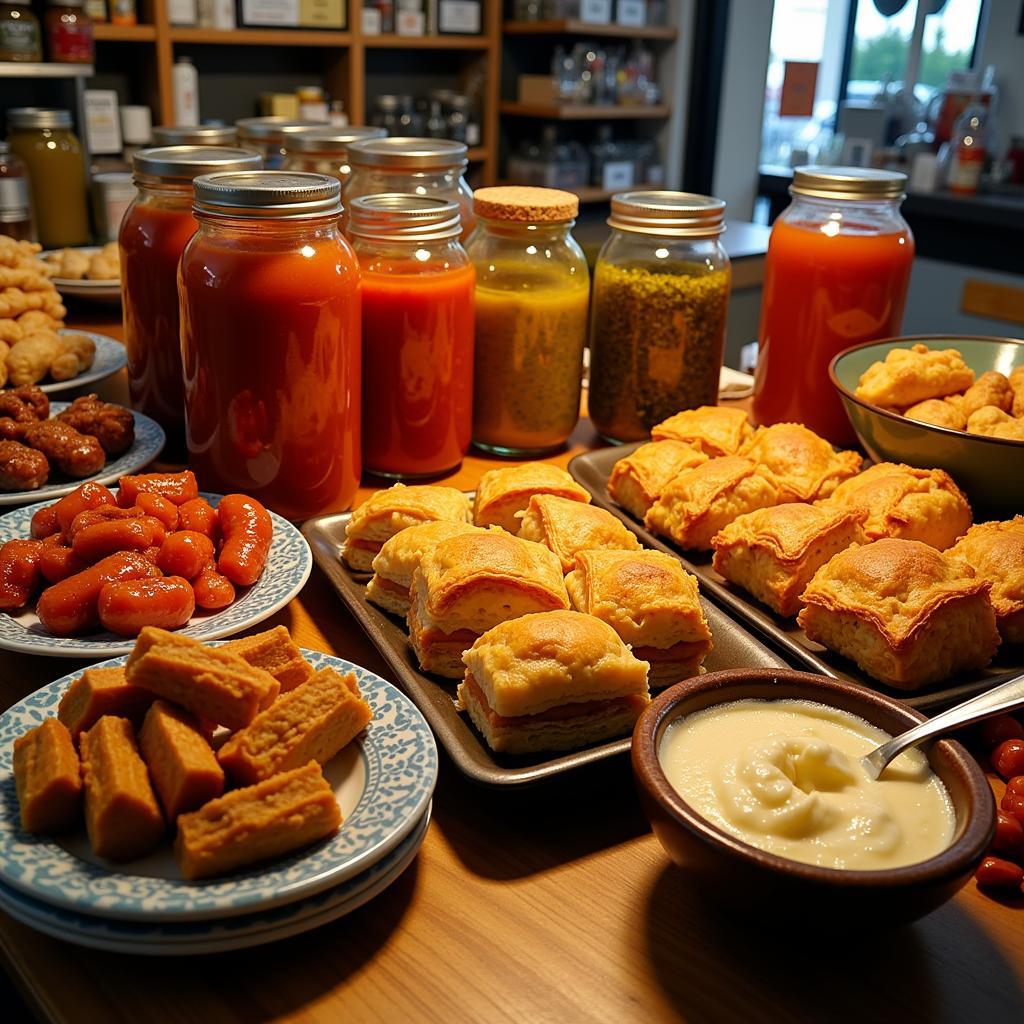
(714, 429)
(907, 614)
(695, 506)
(387, 512)
(901, 501)
(653, 604)
(502, 493)
(554, 681)
(637, 480)
(469, 584)
(567, 527)
(773, 552)
(910, 375)
(995, 551)
(805, 465)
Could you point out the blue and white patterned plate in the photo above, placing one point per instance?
(383, 782)
(288, 567)
(111, 356)
(148, 443)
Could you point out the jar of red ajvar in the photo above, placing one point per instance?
(153, 235)
(270, 342)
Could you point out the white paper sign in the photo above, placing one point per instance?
(632, 13)
(270, 12)
(597, 12)
(459, 16)
(617, 174)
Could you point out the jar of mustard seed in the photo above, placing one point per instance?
(657, 326)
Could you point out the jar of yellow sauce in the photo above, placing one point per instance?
(532, 298)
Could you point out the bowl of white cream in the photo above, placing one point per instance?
(752, 783)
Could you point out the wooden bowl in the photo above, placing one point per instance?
(724, 866)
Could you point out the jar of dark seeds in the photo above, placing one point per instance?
(657, 329)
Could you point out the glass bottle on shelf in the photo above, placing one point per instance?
(20, 37)
(69, 33)
(15, 198)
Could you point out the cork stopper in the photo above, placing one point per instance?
(525, 204)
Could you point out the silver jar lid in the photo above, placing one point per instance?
(674, 214)
(396, 216)
(183, 163)
(195, 135)
(854, 183)
(327, 139)
(268, 194)
(272, 129)
(38, 117)
(407, 153)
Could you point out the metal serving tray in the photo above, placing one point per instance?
(592, 470)
(734, 647)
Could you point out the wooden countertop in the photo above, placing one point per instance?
(553, 904)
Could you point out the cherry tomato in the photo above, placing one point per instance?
(1009, 837)
(1015, 785)
(1008, 758)
(1013, 805)
(997, 730)
(996, 873)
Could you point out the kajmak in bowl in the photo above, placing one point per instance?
(719, 863)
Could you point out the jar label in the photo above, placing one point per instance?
(14, 194)
(71, 43)
(19, 37)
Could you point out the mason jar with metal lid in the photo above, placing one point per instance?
(43, 139)
(195, 135)
(836, 275)
(153, 235)
(420, 167)
(266, 135)
(270, 342)
(417, 333)
(657, 326)
(325, 149)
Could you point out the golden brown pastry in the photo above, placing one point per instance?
(995, 551)
(524, 677)
(939, 412)
(907, 614)
(637, 480)
(653, 604)
(714, 429)
(470, 583)
(387, 512)
(502, 493)
(909, 376)
(695, 506)
(901, 501)
(568, 527)
(991, 388)
(805, 466)
(992, 422)
(1017, 384)
(773, 552)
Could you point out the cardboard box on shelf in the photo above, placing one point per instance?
(328, 14)
(537, 89)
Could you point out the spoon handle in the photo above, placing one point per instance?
(999, 699)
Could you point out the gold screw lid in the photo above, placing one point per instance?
(271, 129)
(863, 183)
(667, 213)
(525, 204)
(407, 153)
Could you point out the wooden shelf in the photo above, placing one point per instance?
(45, 69)
(477, 154)
(574, 27)
(393, 42)
(584, 112)
(259, 37)
(106, 33)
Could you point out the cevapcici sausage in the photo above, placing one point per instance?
(58, 562)
(127, 607)
(177, 488)
(45, 522)
(212, 590)
(20, 575)
(247, 530)
(84, 497)
(199, 515)
(102, 539)
(185, 553)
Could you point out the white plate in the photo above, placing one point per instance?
(79, 288)
(148, 443)
(218, 936)
(287, 569)
(111, 356)
(383, 781)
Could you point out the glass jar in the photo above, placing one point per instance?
(43, 138)
(69, 35)
(836, 275)
(153, 235)
(325, 150)
(15, 198)
(657, 328)
(195, 135)
(266, 136)
(20, 38)
(532, 297)
(270, 343)
(417, 334)
(420, 167)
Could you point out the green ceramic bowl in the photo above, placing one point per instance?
(989, 469)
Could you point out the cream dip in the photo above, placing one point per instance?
(784, 775)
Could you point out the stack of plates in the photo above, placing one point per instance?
(383, 782)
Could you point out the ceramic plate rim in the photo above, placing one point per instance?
(92, 375)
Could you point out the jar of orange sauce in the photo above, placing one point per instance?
(836, 275)
(153, 235)
(418, 286)
(270, 342)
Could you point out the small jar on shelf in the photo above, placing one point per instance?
(195, 135)
(15, 198)
(324, 150)
(266, 135)
(69, 32)
(20, 37)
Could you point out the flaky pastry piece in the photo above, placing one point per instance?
(653, 604)
(939, 412)
(637, 480)
(568, 527)
(503, 492)
(470, 583)
(907, 614)
(993, 422)
(805, 465)
(714, 429)
(695, 506)
(995, 551)
(910, 375)
(901, 501)
(553, 681)
(773, 552)
(387, 512)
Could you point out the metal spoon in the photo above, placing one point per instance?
(999, 699)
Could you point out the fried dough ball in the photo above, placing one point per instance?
(937, 412)
(993, 422)
(991, 388)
